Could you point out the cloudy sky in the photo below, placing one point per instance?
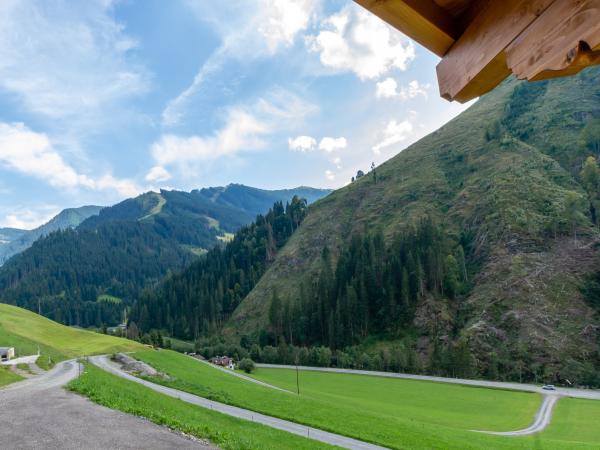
(101, 100)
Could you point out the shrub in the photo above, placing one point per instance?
(247, 365)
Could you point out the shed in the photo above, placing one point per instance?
(7, 353)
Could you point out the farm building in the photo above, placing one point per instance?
(223, 361)
(7, 353)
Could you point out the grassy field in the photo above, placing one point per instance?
(226, 432)
(575, 420)
(7, 377)
(28, 332)
(401, 414)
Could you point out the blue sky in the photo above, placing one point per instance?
(101, 100)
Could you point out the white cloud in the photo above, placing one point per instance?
(329, 175)
(28, 219)
(388, 88)
(31, 153)
(242, 132)
(394, 133)
(282, 20)
(357, 41)
(158, 174)
(248, 30)
(302, 144)
(329, 144)
(66, 60)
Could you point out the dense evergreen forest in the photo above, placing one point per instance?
(373, 289)
(90, 275)
(197, 301)
(79, 285)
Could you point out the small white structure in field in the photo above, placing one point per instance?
(7, 353)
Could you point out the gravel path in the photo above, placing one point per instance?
(280, 424)
(39, 414)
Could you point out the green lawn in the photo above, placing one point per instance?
(226, 432)
(401, 414)
(7, 377)
(575, 420)
(27, 332)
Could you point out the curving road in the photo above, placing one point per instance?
(273, 422)
(39, 414)
(541, 421)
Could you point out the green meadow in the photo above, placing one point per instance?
(399, 414)
(226, 432)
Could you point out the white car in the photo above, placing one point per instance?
(548, 387)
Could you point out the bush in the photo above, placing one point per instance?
(247, 365)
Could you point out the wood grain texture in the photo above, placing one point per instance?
(421, 20)
(475, 64)
(559, 43)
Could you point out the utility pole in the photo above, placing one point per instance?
(297, 377)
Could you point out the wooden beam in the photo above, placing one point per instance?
(421, 20)
(476, 63)
(562, 41)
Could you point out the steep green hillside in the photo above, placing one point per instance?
(68, 275)
(28, 332)
(196, 302)
(14, 241)
(502, 182)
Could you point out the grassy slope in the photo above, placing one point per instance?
(7, 377)
(395, 413)
(506, 191)
(226, 432)
(27, 331)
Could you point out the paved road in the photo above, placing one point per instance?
(590, 394)
(291, 427)
(39, 414)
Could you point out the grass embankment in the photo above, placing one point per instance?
(401, 414)
(224, 431)
(7, 377)
(27, 332)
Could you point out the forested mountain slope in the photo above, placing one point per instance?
(87, 276)
(13, 241)
(472, 248)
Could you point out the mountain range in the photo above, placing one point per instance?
(473, 252)
(13, 241)
(85, 275)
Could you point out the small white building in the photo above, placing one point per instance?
(7, 353)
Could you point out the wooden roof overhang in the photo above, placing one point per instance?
(481, 42)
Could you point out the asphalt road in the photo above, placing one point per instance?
(590, 394)
(291, 427)
(39, 414)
